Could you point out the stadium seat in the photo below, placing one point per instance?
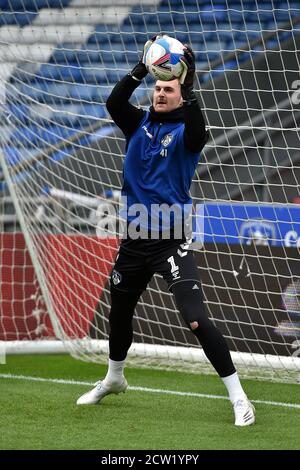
(63, 54)
(31, 5)
(15, 155)
(35, 136)
(66, 73)
(61, 75)
(20, 18)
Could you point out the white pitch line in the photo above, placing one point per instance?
(146, 389)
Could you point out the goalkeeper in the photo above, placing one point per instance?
(163, 148)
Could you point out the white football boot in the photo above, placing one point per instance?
(101, 389)
(244, 412)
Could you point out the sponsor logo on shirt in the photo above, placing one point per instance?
(147, 132)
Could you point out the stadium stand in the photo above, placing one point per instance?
(60, 58)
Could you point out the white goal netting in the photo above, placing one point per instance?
(61, 175)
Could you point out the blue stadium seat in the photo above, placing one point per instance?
(243, 37)
(93, 110)
(18, 112)
(63, 54)
(164, 19)
(127, 37)
(89, 93)
(99, 38)
(88, 54)
(103, 33)
(215, 46)
(127, 34)
(15, 155)
(66, 73)
(68, 114)
(37, 136)
(59, 93)
(281, 16)
(19, 5)
(98, 75)
(134, 19)
(44, 92)
(18, 18)
(272, 43)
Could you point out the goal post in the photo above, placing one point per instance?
(61, 168)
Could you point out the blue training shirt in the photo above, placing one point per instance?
(158, 169)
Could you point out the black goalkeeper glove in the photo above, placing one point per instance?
(189, 68)
(188, 75)
(140, 70)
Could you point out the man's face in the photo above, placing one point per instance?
(167, 96)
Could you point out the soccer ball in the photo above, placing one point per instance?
(162, 59)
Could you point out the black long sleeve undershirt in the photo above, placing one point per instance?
(127, 117)
(195, 134)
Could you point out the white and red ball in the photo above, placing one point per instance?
(163, 58)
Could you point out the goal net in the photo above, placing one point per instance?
(61, 176)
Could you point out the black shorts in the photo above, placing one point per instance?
(138, 260)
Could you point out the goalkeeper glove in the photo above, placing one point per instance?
(189, 68)
(140, 70)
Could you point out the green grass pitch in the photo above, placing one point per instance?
(39, 414)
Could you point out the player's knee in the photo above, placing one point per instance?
(194, 325)
(192, 317)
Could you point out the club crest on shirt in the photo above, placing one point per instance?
(166, 140)
(116, 277)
